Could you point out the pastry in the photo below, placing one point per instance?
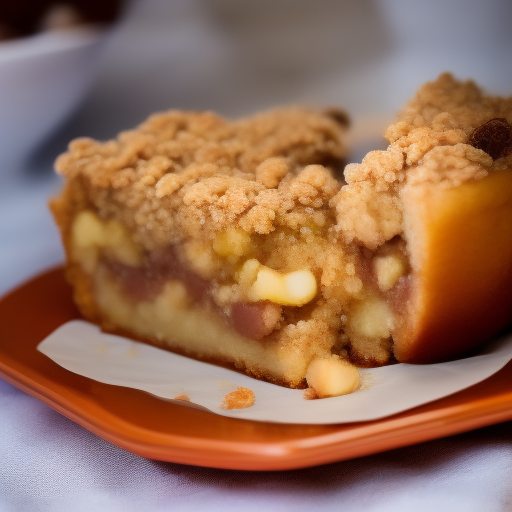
(238, 243)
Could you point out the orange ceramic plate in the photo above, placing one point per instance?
(167, 431)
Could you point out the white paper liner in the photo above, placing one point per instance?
(82, 348)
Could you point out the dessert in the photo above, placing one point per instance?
(237, 242)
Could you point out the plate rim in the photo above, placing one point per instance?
(448, 416)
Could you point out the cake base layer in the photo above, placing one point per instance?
(202, 334)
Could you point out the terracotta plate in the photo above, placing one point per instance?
(171, 432)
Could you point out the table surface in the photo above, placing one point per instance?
(367, 56)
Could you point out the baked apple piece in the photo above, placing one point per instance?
(237, 243)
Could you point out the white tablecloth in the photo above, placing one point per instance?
(237, 57)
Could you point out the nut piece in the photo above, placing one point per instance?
(248, 273)
(88, 230)
(493, 137)
(173, 296)
(232, 242)
(371, 318)
(120, 245)
(89, 233)
(292, 289)
(388, 269)
(332, 377)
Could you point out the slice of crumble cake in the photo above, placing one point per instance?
(238, 243)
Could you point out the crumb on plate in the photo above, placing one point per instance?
(240, 398)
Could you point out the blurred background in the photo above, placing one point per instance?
(231, 56)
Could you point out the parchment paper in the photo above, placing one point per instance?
(82, 348)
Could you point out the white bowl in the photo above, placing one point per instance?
(42, 79)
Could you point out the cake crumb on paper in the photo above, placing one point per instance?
(183, 397)
(240, 398)
(310, 394)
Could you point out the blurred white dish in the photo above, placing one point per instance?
(42, 78)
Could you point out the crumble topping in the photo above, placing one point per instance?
(186, 174)
(432, 142)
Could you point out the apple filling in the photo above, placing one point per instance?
(157, 296)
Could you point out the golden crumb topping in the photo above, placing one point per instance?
(184, 174)
(438, 138)
(189, 175)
